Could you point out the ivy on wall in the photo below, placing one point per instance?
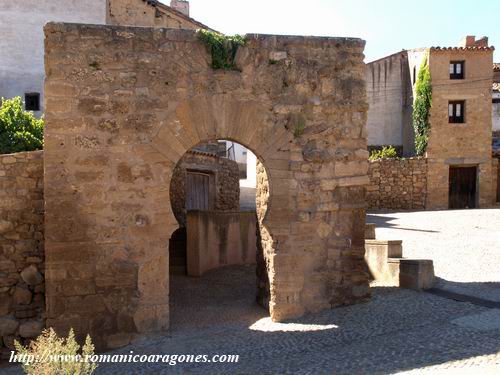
(422, 107)
(222, 47)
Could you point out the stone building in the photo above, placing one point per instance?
(459, 165)
(496, 100)
(21, 28)
(390, 97)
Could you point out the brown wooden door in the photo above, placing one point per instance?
(197, 191)
(462, 189)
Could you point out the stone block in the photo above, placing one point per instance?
(417, 274)
(30, 329)
(8, 326)
(21, 296)
(31, 276)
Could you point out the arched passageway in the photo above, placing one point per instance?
(121, 117)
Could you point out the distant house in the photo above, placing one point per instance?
(459, 145)
(496, 100)
(22, 42)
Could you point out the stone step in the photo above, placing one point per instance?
(416, 274)
(387, 266)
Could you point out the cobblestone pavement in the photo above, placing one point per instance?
(464, 245)
(398, 330)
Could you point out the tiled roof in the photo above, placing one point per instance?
(158, 4)
(463, 48)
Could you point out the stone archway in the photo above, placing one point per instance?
(124, 104)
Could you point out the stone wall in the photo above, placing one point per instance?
(397, 184)
(115, 134)
(224, 176)
(22, 289)
(217, 239)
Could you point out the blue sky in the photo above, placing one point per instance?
(387, 25)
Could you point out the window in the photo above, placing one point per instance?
(456, 112)
(457, 69)
(414, 74)
(32, 101)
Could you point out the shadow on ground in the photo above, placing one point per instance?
(390, 222)
(398, 330)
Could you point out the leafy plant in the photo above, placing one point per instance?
(20, 130)
(49, 354)
(422, 108)
(222, 47)
(387, 152)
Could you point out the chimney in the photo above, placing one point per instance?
(467, 41)
(470, 41)
(180, 6)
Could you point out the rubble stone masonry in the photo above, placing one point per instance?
(397, 184)
(22, 288)
(123, 105)
(224, 176)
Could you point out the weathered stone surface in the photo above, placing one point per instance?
(30, 329)
(397, 184)
(300, 116)
(31, 276)
(8, 326)
(21, 241)
(21, 296)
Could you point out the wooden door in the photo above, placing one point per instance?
(462, 188)
(197, 191)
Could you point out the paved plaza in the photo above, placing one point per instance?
(397, 331)
(464, 245)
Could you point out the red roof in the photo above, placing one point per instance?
(473, 48)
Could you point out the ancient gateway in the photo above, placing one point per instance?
(123, 105)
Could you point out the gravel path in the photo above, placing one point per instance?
(464, 245)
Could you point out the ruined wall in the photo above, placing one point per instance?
(22, 290)
(397, 184)
(142, 13)
(468, 143)
(389, 92)
(115, 134)
(224, 174)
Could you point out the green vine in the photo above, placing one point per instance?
(222, 47)
(422, 108)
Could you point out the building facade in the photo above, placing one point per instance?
(496, 100)
(22, 42)
(459, 173)
(390, 97)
